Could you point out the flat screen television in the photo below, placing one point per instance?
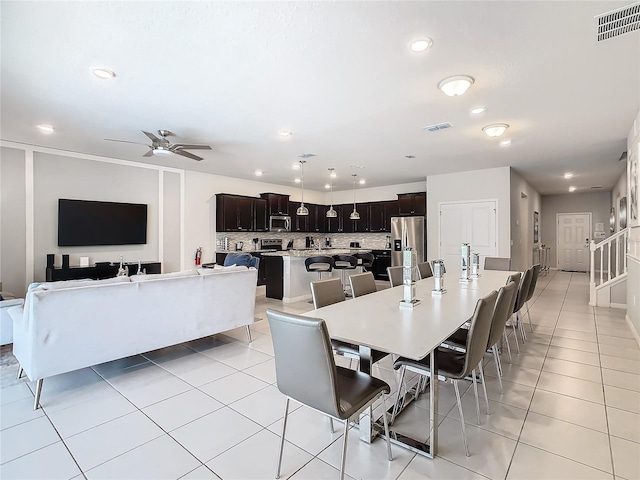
(87, 222)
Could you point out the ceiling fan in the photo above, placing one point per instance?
(161, 145)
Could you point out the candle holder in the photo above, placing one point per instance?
(475, 265)
(465, 261)
(438, 277)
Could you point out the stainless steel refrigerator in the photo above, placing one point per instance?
(416, 238)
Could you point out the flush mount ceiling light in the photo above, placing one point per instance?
(296, 180)
(285, 133)
(505, 143)
(572, 189)
(354, 215)
(478, 110)
(362, 181)
(302, 210)
(45, 128)
(495, 129)
(258, 173)
(455, 85)
(103, 73)
(421, 45)
(568, 175)
(331, 213)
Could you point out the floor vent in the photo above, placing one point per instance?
(618, 22)
(437, 126)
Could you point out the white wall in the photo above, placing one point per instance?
(374, 194)
(524, 201)
(633, 263)
(488, 184)
(618, 191)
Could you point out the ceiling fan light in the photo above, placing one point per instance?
(455, 85)
(495, 129)
(45, 128)
(162, 151)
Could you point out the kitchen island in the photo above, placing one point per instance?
(287, 277)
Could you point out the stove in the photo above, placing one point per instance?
(271, 244)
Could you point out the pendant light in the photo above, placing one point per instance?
(331, 213)
(354, 215)
(302, 210)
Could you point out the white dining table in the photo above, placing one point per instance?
(377, 321)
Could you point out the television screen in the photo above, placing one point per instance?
(86, 222)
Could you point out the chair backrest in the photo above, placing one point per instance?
(362, 284)
(345, 261)
(478, 333)
(424, 269)
(305, 369)
(395, 275)
(365, 259)
(327, 292)
(534, 281)
(243, 259)
(523, 289)
(497, 263)
(514, 277)
(320, 262)
(502, 312)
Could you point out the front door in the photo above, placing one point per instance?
(573, 236)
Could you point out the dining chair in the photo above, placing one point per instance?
(515, 278)
(365, 261)
(497, 263)
(532, 288)
(523, 291)
(424, 270)
(344, 263)
(395, 275)
(307, 373)
(455, 365)
(362, 284)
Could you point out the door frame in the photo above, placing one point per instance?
(457, 202)
(558, 232)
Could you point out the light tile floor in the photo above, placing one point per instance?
(210, 409)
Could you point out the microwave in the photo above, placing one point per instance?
(279, 223)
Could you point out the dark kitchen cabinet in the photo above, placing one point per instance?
(274, 277)
(299, 223)
(317, 217)
(362, 225)
(412, 203)
(345, 211)
(260, 215)
(334, 225)
(277, 204)
(390, 210)
(376, 217)
(235, 213)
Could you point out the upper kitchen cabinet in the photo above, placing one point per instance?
(277, 204)
(235, 213)
(299, 223)
(317, 222)
(260, 215)
(334, 224)
(412, 203)
(380, 214)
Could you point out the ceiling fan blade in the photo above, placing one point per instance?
(187, 154)
(149, 153)
(151, 136)
(123, 141)
(188, 146)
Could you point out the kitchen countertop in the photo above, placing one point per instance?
(313, 252)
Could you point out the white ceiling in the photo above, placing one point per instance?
(339, 75)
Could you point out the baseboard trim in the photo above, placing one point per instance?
(621, 306)
(633, 329)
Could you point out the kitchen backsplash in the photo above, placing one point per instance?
(374, 241)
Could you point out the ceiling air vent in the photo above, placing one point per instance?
(437, 126)
(618, 22)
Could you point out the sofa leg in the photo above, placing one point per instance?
(248, 333)
(20, 372)
(36, 404)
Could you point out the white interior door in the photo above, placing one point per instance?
(467, 222)
(573, 234)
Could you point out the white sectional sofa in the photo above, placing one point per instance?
(65, 326)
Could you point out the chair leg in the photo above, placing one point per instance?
(36, 403)
(506, 340)
(521, 327)
(344, 449)
(529, 315)
(333, 430)
(484, 386)
(20, 372)
(475, 392)
(498, 368)
(386, 428)
(284, 427)
(396, 406)
(248, 333)
(464, 431)
(515, 332)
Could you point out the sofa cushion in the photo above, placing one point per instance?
(219, 269)
(80, 283)
(160, 276)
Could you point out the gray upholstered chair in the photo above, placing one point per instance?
(307, 373)
(532, 289)
(395, 276)
(362, 284)
(424, 270)
(523, 291)
(456, 365)
(497, 263)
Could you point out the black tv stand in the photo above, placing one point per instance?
(99, 271)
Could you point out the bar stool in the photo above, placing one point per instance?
(365, 260)
(345, 262)
(319, 263)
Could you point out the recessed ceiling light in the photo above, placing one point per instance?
(572, 189)
(45, 128)
(455, 85)
(362, 181)
(478, 110)
(285, 133)
(505, 143)
(297, 180)
(327, 186)
(258, 173)
(568, 175)
(495, 129)
(421, 45)
(104, 73)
